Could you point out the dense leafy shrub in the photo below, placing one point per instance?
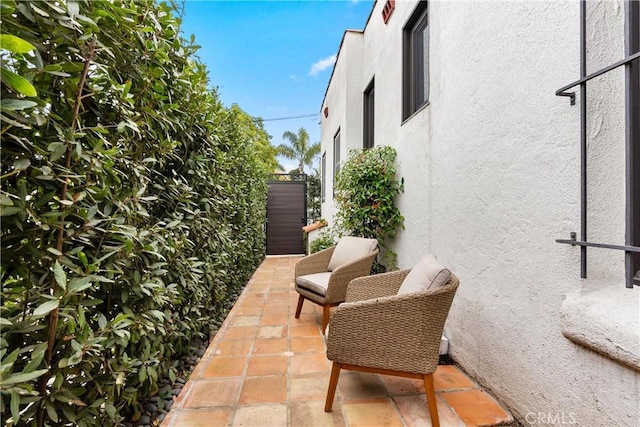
(314, 197)
(325, 240)
(133, 205)
(366, 188)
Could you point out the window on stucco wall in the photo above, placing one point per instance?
(415, 61)
(369, 116)
(323, 174)
(336, 158)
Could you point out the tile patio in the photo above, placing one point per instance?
(266, 368)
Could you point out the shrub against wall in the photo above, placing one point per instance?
(366, 188)
(133, 205)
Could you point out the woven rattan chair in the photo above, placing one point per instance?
(376, 330)
(322, 277)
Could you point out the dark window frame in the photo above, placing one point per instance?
(415, 45)
(368, 116)
(336, 158)
(323, 175)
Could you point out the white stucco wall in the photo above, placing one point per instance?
(491, 169)
(343, 91)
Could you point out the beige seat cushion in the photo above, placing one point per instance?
(317, 282)
(427, 274)
(349, 249)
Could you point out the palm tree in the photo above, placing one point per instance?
(299, 149)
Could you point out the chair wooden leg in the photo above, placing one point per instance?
(299, 308)
(333, 384)
(431, 400)
(326, 312)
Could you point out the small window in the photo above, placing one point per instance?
(415, 61)
(336, 158)
(369, 116)
(323, 174)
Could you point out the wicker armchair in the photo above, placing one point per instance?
(322, 279)
(376, 330)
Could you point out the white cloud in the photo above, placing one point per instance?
(322, 65)
(293, 77)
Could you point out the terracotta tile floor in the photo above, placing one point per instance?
(266, 368)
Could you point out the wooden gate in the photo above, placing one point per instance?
(286, 214)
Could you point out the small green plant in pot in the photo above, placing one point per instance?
(366, 189)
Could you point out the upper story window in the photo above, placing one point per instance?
(415, 61)
(323, 174)
(369, 116)
(336, 157)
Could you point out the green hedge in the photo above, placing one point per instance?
(133, 205)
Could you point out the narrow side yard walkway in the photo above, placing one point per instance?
(266, 368)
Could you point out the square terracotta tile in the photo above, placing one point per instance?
(274, 320)
(233, 348)
(252, 303)
(240, 333)
(272, 332)
(450, 377)
(360, 385)
(476, 407)
(217, 367)
(245, 321)
(248, 311)
(199, 418)
(310, 308)
(309, 388)
(270, 310)
(308, 319)
(415, 412)
(305, 330)
(261, 415)
(401, 385)
(263, 390)
(267, 365)
(312, 413)
(277, 296)
(370, 412)
(209, 393)
(270, 346)
(307, 345)
(310, 363)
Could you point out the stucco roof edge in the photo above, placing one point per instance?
(340, 50)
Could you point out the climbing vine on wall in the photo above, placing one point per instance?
(366, 189)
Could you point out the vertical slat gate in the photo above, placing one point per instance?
(286, 214)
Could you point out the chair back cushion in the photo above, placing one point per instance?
(349, 249)
(316, 282)
(427, 274)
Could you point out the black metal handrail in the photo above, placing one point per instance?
(563, 90)
(632, 143)
(573, 242)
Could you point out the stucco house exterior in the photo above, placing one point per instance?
(494, 172)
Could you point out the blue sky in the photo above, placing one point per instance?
(273, 58)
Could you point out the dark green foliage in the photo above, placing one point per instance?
(314, 202)
(325, 240)
(366, 188)
(133, 205)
